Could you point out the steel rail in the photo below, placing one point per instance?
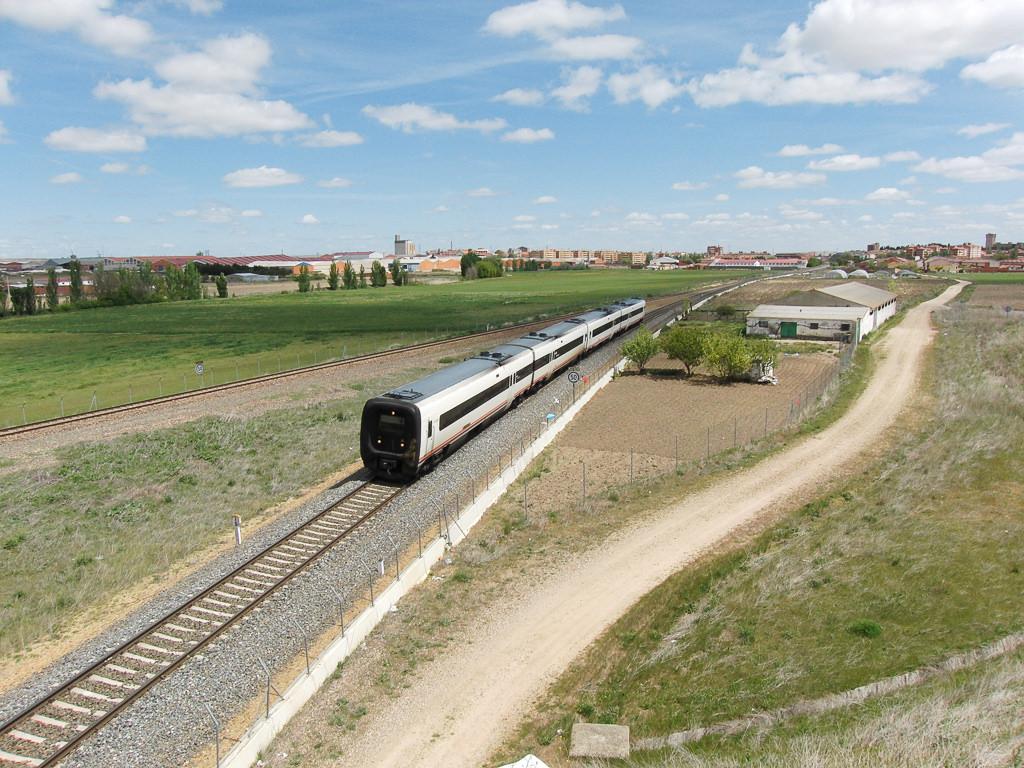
(45, 732)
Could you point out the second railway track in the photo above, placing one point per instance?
(50, 729)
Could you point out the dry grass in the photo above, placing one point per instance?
(926, 544)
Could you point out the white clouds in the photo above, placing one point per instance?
(778, 88)
(996, 164)
(887, 195)
(1003, 69)
(67, 178)
(123, 168)
(187, 213)
(826, 201)
(860, 51)
(338, 182)
(202, 7)
(73, 139)
(174, 110)
(648, 84)
(721, 198)
(597, 47)
(580, 85)
(481, 192)
(251, 213)
(802, 150)
(642, 219)
(122, 219)
(6, 97)
(914, 35)
(309, 218)
(753, 177)
(799, 214)
(440, 209)
(549, 18)
(521, 97)
(223, 65)
(689, 186)
(902, 156)
(545, 200)
(524, 219)
(210, 92)
(89, 19)
(263, 176)
(675, 216)
(332, 139)
(845, 163)
(411, 117)
(528, 135)
(973, 131)
(548, 226)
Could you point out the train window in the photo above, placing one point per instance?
(392, 422)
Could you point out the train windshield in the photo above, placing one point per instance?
(392, 423)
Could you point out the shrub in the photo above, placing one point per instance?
(687, 344)
(728, 356)
(865, 628)
(332, 277)
(640, 349)
(222, 286)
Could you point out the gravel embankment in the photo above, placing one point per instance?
(169, 723)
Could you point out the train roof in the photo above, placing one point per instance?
(598, 314)
(556, 330)
(503, 353)
(632, 301)
(443, 379)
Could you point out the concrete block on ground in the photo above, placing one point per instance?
(594, 740)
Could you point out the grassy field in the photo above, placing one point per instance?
(917, 559)
(130, 353)
(110, 515)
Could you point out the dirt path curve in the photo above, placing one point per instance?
(463, 704)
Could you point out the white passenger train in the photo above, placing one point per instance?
(409, 429)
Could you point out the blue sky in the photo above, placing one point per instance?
(169, 126)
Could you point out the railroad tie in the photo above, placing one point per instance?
(10, 757)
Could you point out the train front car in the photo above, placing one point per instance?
(389, 441)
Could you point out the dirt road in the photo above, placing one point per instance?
(462, 705)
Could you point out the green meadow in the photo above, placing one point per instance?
(103, 357)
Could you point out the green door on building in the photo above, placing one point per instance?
(788, 331)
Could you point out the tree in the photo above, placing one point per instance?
(487, 268)
(30, 296)
(398, 274)
(640, 349)
(332, 277)
(469, 260)
(348, 276)
(51, 290)
(362, 275)
(75, 268)
(222, 286)
(303, 279)
(728, 355)
(378, 275)
(193, 281)
(687, 344)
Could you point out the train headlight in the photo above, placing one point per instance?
(378, 441)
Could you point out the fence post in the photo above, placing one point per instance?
(216, 731)
(305, 641)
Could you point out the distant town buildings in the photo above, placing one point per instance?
(404, 247)
(990, 241)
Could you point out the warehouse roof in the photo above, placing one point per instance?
(860, 293)
(780, 312)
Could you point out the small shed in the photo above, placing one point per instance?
(796, 322)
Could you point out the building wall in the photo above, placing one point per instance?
(830, 330)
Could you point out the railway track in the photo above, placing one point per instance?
(157, 401)
(54, 726)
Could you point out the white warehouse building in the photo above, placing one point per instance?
(848, 311)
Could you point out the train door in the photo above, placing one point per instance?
(428, 444)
